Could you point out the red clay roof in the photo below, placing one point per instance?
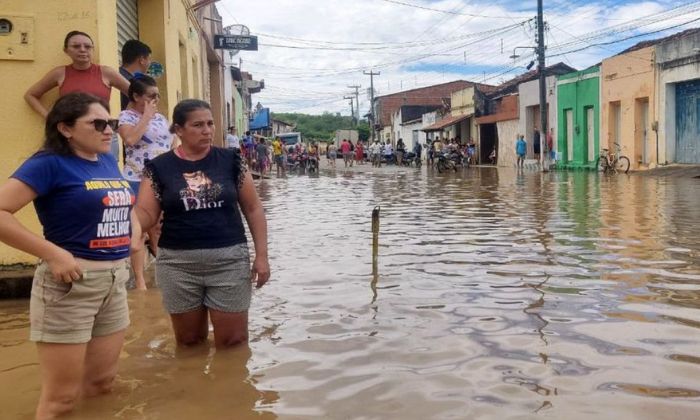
(429, 95)
(511, 86)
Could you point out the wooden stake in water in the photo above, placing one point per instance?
(375, 250)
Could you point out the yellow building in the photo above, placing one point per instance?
(462, 105)
(627, 98)
(178, 32)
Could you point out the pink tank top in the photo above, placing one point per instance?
(86, 81)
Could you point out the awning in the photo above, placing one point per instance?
(260, 120)
(446, 122)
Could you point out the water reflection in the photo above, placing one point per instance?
(497, 294)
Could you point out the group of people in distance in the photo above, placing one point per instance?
(93, 215)
(351, 152)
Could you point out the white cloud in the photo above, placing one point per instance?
(411, 47)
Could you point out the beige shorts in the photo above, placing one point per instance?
(74, 313)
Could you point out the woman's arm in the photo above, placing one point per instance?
(147, 207)
(38, 89)
(14, 195)
(255, 216)
(115, 79)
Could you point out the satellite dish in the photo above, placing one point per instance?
(236, 30)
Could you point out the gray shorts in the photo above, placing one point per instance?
(217, 278)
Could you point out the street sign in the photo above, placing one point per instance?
(236, 42)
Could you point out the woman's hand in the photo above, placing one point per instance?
(150, 109)
(260, 272)
(63, 266)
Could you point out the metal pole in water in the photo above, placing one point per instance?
(375, 250)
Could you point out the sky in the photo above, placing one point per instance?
(311, 51)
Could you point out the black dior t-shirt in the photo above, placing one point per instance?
(199, 199)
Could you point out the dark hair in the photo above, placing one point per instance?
(139, 84)
(183, 109)
(70, 35)
(133, 49)
(66, 110)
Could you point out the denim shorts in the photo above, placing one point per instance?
(217, 278)
(74, 313)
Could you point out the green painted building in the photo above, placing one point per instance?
(578, 116)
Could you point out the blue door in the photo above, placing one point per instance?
(688, 122)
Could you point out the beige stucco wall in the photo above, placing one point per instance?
(529, 109)
(507, 130)
(22, 128)
(630, 80)
(162, 25)
(462, 103)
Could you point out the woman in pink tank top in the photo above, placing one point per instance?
(82, 75)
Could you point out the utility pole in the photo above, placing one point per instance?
(544, 147)
(357, 102)
(373, 121)
(352, 108)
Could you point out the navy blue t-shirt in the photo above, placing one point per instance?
(199, 199)
(128, 76)
(84, 206)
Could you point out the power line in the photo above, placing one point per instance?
(379, 46)
(626, 38)
(448, 12)
(583, 41)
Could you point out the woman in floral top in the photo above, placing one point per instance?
(146, 135)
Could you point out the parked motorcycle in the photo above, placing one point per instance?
(292, 163)
(444, 163)
(312, 164)
(411, 159)
(457, 158)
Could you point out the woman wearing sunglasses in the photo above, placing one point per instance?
(78, 310)
(203, 267)
(146, 135)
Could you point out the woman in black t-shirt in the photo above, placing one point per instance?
(203, 266)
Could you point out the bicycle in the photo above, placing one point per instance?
(613, 162)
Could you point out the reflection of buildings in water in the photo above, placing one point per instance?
(633, 223)
(652, 223)
(680, 210)
(579, 197)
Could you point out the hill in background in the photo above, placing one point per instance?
(321, 127)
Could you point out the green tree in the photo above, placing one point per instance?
(321, 127)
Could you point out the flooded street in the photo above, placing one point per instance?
(498, 296)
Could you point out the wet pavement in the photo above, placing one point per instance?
(499, 295)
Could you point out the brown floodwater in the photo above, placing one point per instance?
(498, 295)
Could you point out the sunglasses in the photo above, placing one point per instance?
(101, 125)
